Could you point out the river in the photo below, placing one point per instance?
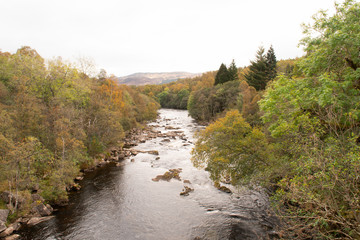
(122, 202)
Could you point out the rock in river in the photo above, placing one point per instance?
(167, 176)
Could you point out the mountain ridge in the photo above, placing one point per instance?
(145, 78)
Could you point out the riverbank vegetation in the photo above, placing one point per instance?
(305, 148)
(55, 120)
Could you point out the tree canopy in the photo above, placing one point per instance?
(56, 120)
(309, 150)
(263, 69)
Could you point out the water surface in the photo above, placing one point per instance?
(122, 202)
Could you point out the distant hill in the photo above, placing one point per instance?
(154, 78)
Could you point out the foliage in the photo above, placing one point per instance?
(332, 43)
(316, 119)
(222, 75)
(176, 94)
(230, 147)
(233, 72)
(55, 119)
(309, 150)
(225, 74)
(263, 69)
(207, 103)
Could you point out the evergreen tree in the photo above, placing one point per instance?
(222, 75)
(233, 72)
(263, 69)
(257, 76)
(271, 63)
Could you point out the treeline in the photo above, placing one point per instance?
(56, 120)
(176, 94)
(306, 147)
(209, 95)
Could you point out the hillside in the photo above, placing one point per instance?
(154, 78)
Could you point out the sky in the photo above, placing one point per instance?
(129, 36)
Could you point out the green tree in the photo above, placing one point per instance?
(263, 69)
(315, 118)
(230, 147)
(271, 63)
(233, 72)
(222, 75)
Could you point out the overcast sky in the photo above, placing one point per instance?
(128, 36)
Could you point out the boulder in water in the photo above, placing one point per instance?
(153, 152)
(167, 176)
(12, 237)
(186, 191)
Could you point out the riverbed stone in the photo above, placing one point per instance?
(4, 213)
(12, 237)
(8, 231)
(37, 198)
(225, 189)
(2, 226)
(153, 152)
(167, 176)
(36, 220)
(42, 210)
(186, 191)
(79, 178)
(121, 157)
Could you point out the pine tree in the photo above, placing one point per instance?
(257, 74)
(233, 71)
(263, 69)
(271, 63)
(222, 75)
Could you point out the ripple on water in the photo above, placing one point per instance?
(124, 203)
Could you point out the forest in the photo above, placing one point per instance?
(55, 120)
(306, 146)
(291, 126)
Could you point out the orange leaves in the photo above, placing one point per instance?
(114, 93)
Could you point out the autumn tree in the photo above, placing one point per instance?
(230, 147)
(55, 120)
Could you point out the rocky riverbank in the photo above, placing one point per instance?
(41, 211)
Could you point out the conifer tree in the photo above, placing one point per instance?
(271, 63)
(233, 71)
(257, 74)
(222, 75)
(263, 69)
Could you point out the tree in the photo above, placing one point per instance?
(271, 63)
(230, 147)
(315, 120)
(222, 75)
(334, 49)
(262, 70)
(233, 72)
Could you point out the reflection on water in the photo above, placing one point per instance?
(124, 203)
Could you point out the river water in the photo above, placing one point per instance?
(122, 202)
